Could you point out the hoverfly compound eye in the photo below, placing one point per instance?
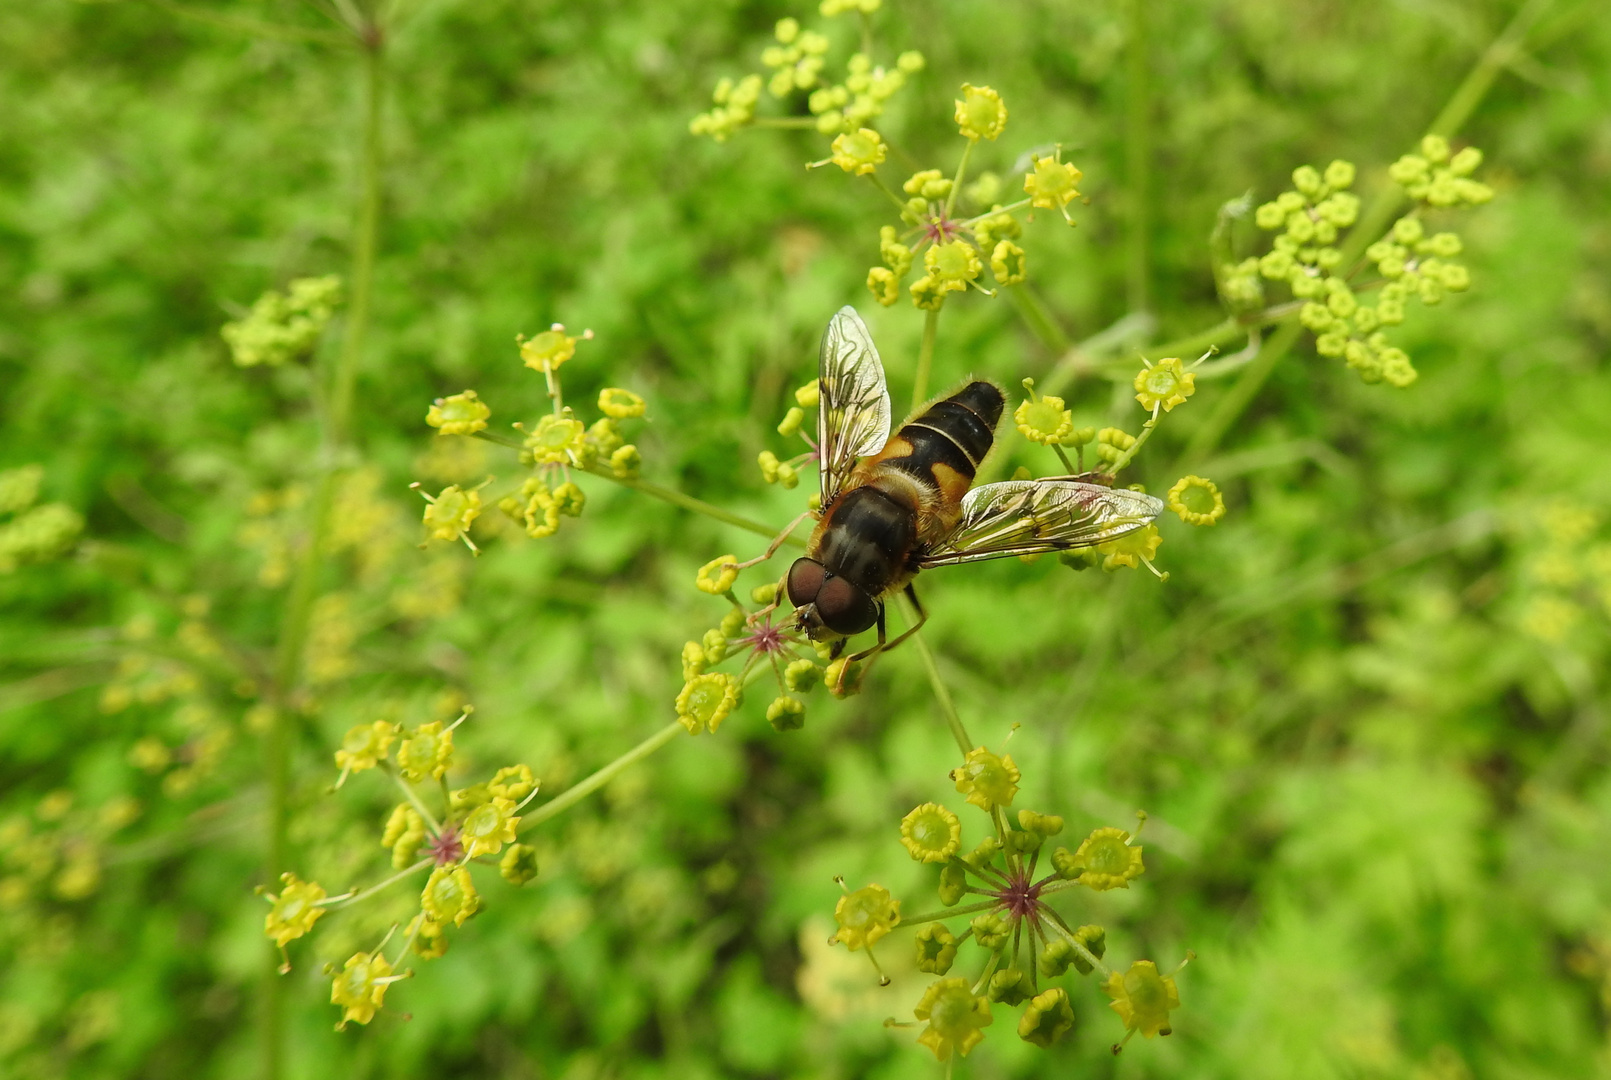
(844, 608)
(805, 579)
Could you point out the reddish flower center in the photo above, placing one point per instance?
(446, 847)
(1020, 896)
(766, 639)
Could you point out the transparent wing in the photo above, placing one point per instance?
(1028, 517)
(853, 410)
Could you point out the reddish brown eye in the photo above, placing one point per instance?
(805, 578)
(845, 609)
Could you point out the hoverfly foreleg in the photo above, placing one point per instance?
(772, 548)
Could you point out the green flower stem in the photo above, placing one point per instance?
(1464, 101)
(956, 181)
(335, 903)
(925, 358)
(1135, 448)
(1009, 208)
(1033, 311)
(878, 182)
(665, 494)
(413, 798)
(938, 916)
(1056, 922)
(698, 506)
(335, 450)
(603, 776)
(1138, 155)
(941, 693)
(785, 121)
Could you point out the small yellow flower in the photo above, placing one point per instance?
(725, 574)
(626, 462)
(1007, 262)
(808, 395)
(929, 184)
(1143, 998)
(1052, 184)
(931, 833)
(952, 265)
(1165, 384)
(786, 713)
(980, 114)
(460, 414)
(1049, 1015)
(519, 864)
(1132, 549)
(513, 782)
(549, 349)
(489, 827)
(365, 745)
(954, 1015)
(449, 515)
(864, 916)
(859, 152)
(450, 895)
(404, 821)
(1196, 500)
(557, 440)
(360, 987)
(620, 404)
(936, 949)
(429, 942)
(988, 780)
(884, 285)
(294, 910)
(427, 751)
(928, 293)
(706, 700)
(1105, 860)
(1044, 420)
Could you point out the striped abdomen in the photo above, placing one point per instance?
(908, 495)
(941, 450)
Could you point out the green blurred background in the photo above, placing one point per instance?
(1367, 711)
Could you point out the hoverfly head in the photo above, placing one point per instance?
(829, 606)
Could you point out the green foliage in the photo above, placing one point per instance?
(1365, 714)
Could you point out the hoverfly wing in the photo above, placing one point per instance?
(1029, 517)
(853, 410)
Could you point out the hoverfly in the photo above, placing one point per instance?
(909, 504)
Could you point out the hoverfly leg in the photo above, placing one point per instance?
(922, 617)
(772, 548)
(866, 654)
